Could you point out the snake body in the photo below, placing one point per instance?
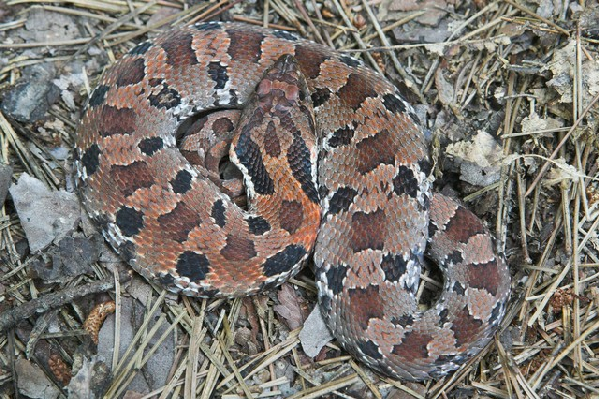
(334, 163)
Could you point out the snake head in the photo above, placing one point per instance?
(285, 80)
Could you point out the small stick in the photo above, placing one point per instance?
(11, 317)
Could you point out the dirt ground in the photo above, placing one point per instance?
(508, 94)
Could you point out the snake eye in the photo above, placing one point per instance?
(302, 95)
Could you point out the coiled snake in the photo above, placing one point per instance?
(334, 163)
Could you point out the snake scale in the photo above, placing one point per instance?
(334, 163)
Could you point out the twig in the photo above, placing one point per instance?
(10, 318)
(533, 14)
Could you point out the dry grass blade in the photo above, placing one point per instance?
(324, 389)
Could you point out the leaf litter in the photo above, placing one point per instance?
(507, 88)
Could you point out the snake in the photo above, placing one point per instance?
(335, 167)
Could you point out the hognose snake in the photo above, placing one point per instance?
(335, 163)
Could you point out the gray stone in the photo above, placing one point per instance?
(44, 214)
(48, 26)
(159, 364)
(32, 96)
(315, 333)
(32, 381)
